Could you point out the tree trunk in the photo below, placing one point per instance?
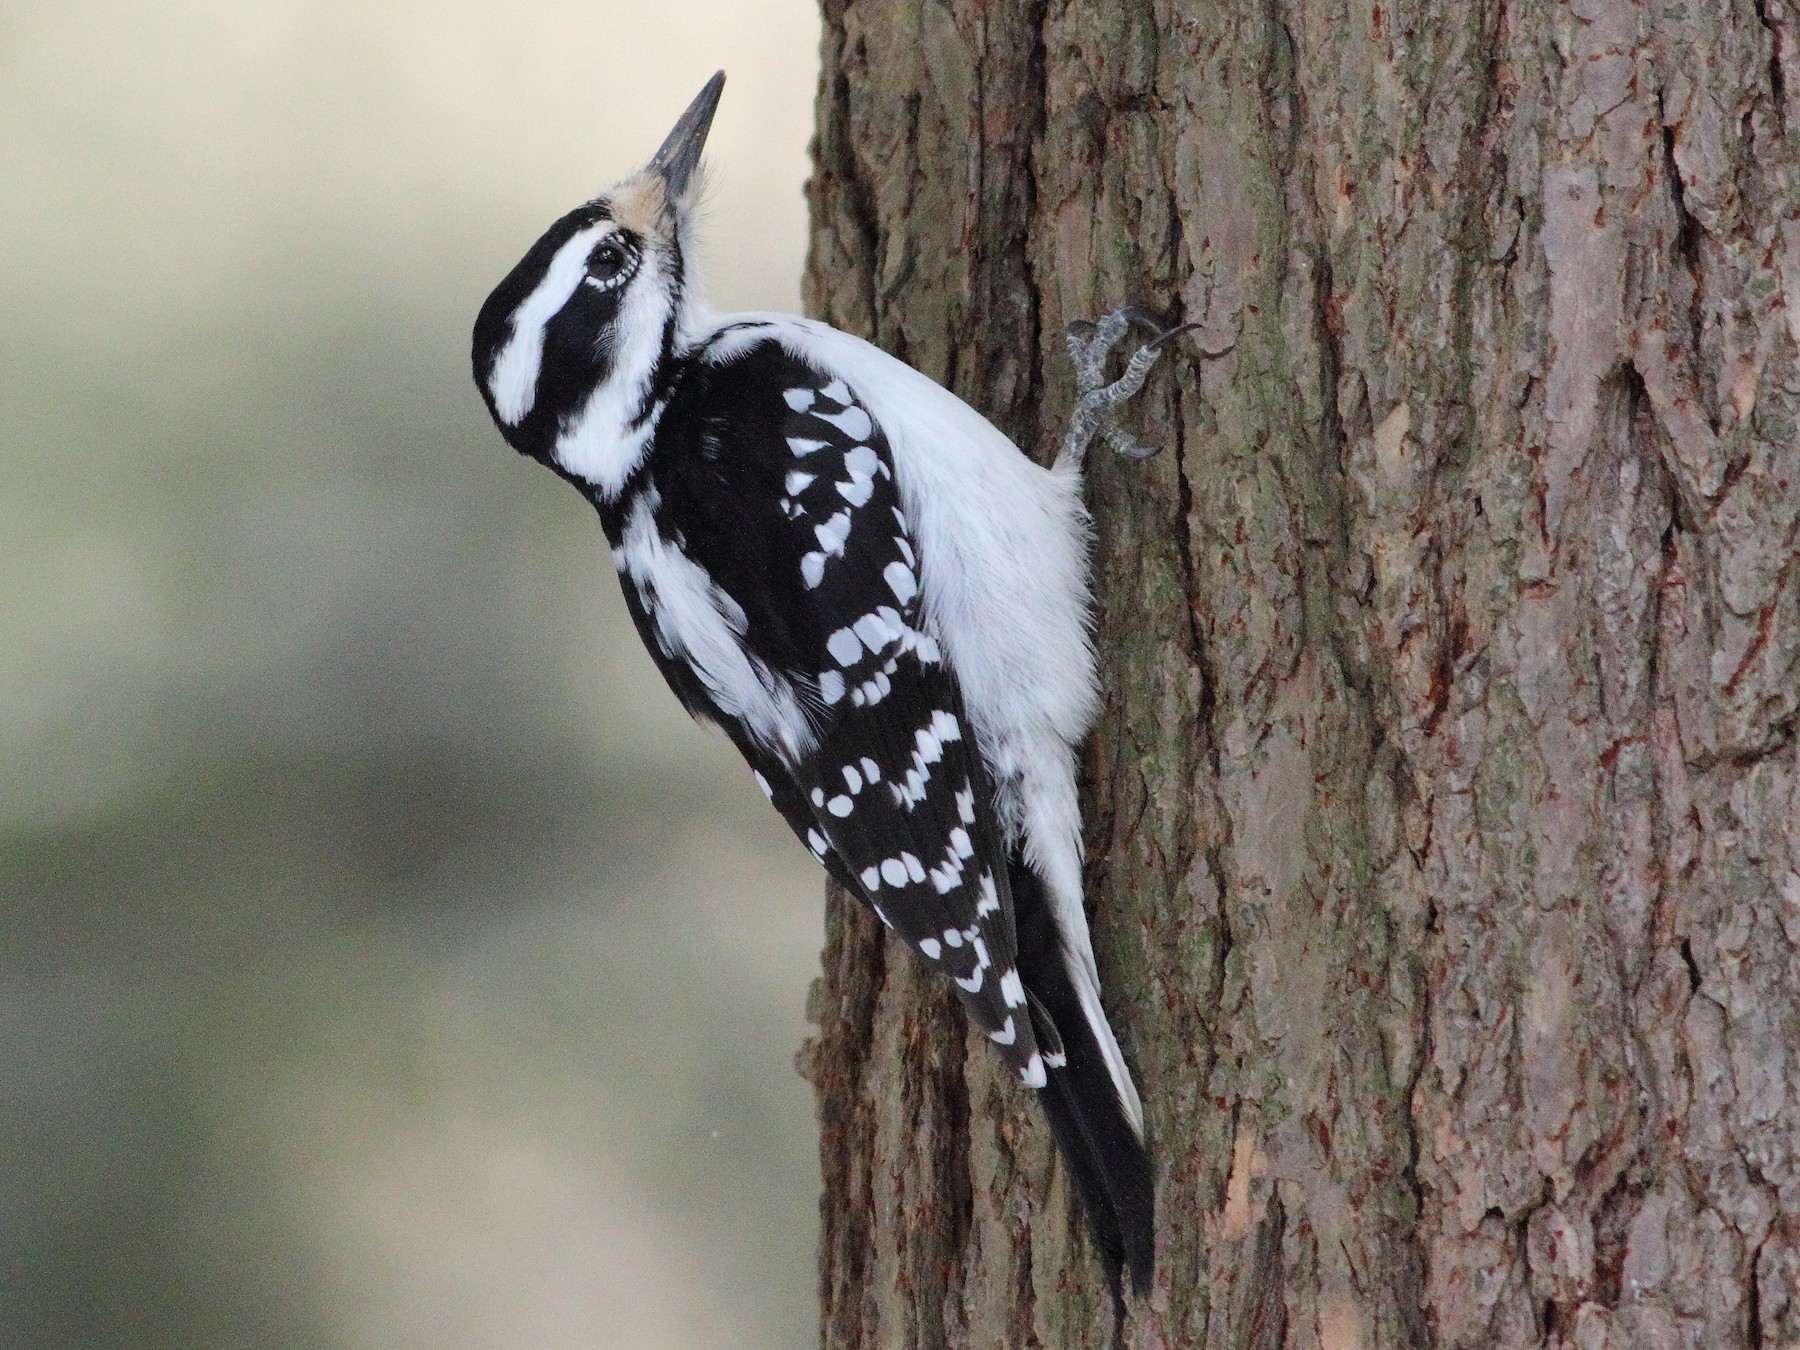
(1444, 815)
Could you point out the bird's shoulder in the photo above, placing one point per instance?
(773, 477)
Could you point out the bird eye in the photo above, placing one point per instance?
(609, 264)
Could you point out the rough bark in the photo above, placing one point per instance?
(1444, 817)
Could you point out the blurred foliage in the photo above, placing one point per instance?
(386, 960)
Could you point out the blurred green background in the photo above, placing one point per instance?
(386, 961)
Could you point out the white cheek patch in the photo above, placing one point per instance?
(513, 380)
(604, 440)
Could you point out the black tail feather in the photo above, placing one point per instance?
(1107, 1162)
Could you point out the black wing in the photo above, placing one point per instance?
(769, 475)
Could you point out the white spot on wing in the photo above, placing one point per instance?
(831, 686)
(812, 569)
(861, 461)
(912, 791)
(832, 534)
(893, 871)
(852, 421)
(930, 949)
(840, 806)
(799, 399)
(845, 647)
(1012, 990)
(900, 580)
(1006, 1035)
(871, 878)
(990, 897)
(878, 629)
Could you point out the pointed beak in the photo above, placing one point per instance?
(680, 153)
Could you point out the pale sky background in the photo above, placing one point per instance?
(386, 961)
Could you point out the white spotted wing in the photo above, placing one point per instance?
(785, 493)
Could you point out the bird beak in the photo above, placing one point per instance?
(680, 153)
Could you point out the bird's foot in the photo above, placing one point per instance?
(1096, 400)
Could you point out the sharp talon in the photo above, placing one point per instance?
(1157, 344)
(1081, 329)
(1144, 317)
(1125, 444)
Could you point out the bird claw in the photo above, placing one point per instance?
(1168, 335)
(1123, 442)
(1089, 344)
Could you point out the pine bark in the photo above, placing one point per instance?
(1444, 815)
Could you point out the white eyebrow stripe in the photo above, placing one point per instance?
(513, 381)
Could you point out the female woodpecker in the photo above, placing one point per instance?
(872, 592)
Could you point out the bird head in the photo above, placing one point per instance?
(568, 347)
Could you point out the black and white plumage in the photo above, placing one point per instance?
(872, 592)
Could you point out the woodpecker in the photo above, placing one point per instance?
(873, 593)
